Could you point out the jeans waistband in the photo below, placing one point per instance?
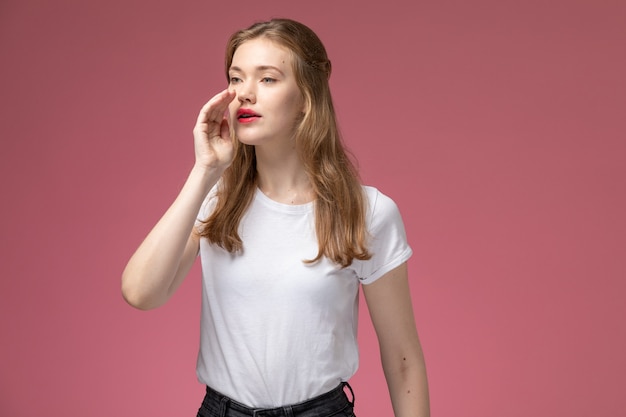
(326, 404)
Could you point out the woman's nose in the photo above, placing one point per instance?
(246, 94)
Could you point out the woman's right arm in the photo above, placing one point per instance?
(159, 265)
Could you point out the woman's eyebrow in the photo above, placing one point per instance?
(260, 68)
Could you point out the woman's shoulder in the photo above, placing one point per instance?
(380, 207)
(387, 237)
(208, 205)
(376, 199)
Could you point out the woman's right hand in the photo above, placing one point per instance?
(159, 265)
(212, 141)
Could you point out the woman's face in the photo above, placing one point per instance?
(268, 103)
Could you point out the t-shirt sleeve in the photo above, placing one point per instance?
(207, 207)
(387, 241)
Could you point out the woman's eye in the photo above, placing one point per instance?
(234, 80)
(268, 80)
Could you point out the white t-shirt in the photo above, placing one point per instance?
(277, 331)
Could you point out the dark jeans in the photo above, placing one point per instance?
(334, 403)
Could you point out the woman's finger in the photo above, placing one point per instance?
(214, 109)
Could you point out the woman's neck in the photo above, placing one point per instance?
(282, 177)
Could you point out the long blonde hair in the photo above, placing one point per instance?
(340, 202)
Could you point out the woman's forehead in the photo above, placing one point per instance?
(261, 52)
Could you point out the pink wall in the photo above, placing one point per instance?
(498, 127)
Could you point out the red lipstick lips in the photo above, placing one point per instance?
(246, 116)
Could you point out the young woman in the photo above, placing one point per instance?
(286, 234)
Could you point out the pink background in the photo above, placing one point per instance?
(499, 127)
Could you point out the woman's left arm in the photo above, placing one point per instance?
(389, 303)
